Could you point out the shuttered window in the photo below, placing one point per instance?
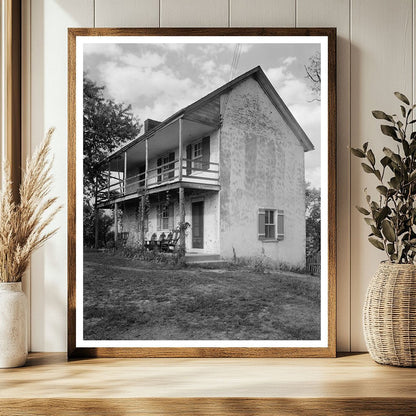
(270, 224)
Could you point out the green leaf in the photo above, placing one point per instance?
(388, 230)
(367, 168)
(390, 248)
(389, 131)
(385, 160)
(376, 231)
(357, 152)
(402, 97)
(394, 182)
(365, 145)
(362, 210)
(370, 157)
(403, 111)
(393, 156)
(376, 243)
(378, 174)
(412, 176)
(406, 147)
(381, 115)
(374, 205)
(382, 189)
(382, 214)
(369, 221)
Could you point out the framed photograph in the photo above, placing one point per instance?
(201, 200)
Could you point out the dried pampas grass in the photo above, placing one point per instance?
(23, 225)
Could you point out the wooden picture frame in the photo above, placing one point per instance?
(326, 347)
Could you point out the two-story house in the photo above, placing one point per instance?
(230, 164)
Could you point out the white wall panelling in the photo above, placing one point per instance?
(266, 13)
(375, 58)
(126, 13)
(194, 13)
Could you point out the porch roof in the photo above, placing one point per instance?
(206, 111)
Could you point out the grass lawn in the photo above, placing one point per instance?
(128, 299)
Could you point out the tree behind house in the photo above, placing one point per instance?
(107, 126)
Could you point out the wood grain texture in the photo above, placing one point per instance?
(329, 351)
(13, 91)
(193, 13)
(348, 385)
(127, 13)
(26, 139)
(378, 68)
(50, 375)
(210, 407)
(335, 13)
(262, 13)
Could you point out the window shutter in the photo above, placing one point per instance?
(159, 171)
(171, 217)
(171, 165)
(262, 227)
(280, 225)
(189, 159)
(205, 153)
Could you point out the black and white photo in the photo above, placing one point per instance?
(203, 191)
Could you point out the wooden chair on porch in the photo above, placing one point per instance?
(152, 243)
(160, 240)
(174, 241)
(164, 245)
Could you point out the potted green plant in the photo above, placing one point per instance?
(23, 229)
(389, 316)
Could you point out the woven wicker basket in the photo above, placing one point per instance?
(390, 315)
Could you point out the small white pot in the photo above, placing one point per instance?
(13, 325)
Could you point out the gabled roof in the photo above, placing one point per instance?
(258, 74)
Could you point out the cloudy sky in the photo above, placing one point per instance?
(160, 79)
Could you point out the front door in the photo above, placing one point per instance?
(198, 224)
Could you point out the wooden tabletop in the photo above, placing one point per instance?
(320, 386)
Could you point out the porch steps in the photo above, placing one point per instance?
(208, 259)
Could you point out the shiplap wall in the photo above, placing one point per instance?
(376, 57)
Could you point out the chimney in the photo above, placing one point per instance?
(149, 124)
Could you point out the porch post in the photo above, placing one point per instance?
(108, 182)
(142, 207)
(146, 163)
(115, 223)
(180, 150)
(182, 221)
(125, 173)
(143, 198)
(96, 213)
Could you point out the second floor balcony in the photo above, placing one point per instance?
(183, 154)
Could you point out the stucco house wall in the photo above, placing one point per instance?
(262, 166)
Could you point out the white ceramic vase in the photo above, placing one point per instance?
(13, 325)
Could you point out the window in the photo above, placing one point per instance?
(166, 170)
(165, 218)
(198, 156)
(271, 224)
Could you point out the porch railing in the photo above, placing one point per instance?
(194, 171)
